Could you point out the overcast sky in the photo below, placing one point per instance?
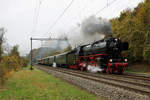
(19, 17)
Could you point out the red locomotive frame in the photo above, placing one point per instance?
(112, 67)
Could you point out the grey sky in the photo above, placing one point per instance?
(18, 16)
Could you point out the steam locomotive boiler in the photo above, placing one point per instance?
(100, 56)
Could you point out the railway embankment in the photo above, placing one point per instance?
(140, 68)
(38, 85)
(114, 87)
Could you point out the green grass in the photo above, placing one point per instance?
(38, 85)
(138, 72)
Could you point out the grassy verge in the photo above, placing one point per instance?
(38, 85)
(137, 72)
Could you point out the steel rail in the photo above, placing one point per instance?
(98, 80)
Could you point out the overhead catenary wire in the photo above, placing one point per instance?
(108, 4)
(85, 6)
(36, 15)
(59, 17)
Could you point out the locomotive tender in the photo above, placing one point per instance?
(101, 56)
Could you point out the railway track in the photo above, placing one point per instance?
(142, 77)
(113, 80)
(145, 85)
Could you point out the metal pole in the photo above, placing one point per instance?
(31, 68)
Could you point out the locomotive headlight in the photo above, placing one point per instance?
(110, 60)
(125, 60)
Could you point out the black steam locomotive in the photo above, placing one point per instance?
(100, 56)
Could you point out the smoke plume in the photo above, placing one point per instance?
(93, 25)
(91, 29)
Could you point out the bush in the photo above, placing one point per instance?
(2, 74)
(24, 62)
(147, 54)
(7, 65)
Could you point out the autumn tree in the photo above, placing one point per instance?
(133, 26)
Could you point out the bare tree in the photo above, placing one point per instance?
(1, 52)
(1, 41)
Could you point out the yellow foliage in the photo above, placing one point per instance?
(133, 26)
(9, 64)
(9, 74)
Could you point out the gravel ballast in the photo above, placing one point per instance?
(99, 89)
